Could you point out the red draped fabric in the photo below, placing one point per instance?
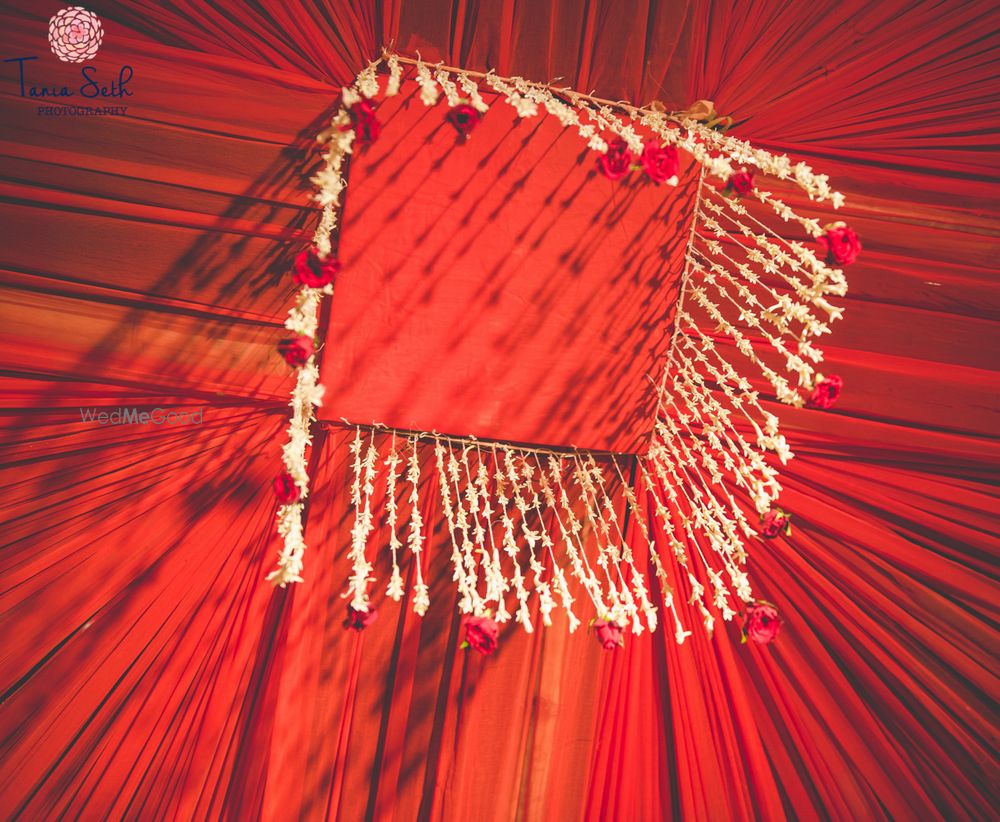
(146, 670)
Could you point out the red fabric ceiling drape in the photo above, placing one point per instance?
(147, 672)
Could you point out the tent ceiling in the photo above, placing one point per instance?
(145, 669)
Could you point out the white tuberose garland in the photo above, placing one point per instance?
(303, 320)
(764, 284)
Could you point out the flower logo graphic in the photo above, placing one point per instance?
(75, 34)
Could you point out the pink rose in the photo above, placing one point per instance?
(311, 271)
(762, 623)
(661, 163)
(775, 522)
(296, 351)
(481, 634)
(741, 182)
(364, 122)
(616, 163)
(841, 244)
(285, 489)
(359, 620)
(826, 392)
(609, 634)
(464, 118)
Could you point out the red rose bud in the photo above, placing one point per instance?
(826, 393)
(464, 118)
(285, 489)
(359, 620)
(661, 163)
(740, 183)
(311, 271)
(481, 634)
(762, 623)
(364, 122)
(775, 522)
(296, 351)
(609, 634)
(840, 243)
(616, 163)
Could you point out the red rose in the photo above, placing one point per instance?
(741, 182)
(285, 489)
(775, 522)
(312, 271)
(464, 118)
(762, 623)
(609, 634)
(616, 163)
(826, 392)
(661, 163)
(364, 122)
(841, 244)
(296, 351)
(359, 620)
(481, 634)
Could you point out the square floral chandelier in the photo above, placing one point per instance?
(681, 308)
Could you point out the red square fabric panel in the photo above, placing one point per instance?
(501, 286)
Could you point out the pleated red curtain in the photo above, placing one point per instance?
(146, 670)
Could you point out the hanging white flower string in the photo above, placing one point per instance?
(622, 605)
(361, 497)
(428, 88)
(415, 539)
(302, 321)
(531, 538)
(570, 530)
(394, 590)
(667, 591)
(618, 550)
(521, 104)
(449, 515)
(464, 559)
(448, 87)
(495, 583)
(472, 92)
(475, 533)
(638, 581)
(712, 520)
(508, 540)
(710, 434)
(562, 588)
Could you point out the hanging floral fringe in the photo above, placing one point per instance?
(523, 523)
